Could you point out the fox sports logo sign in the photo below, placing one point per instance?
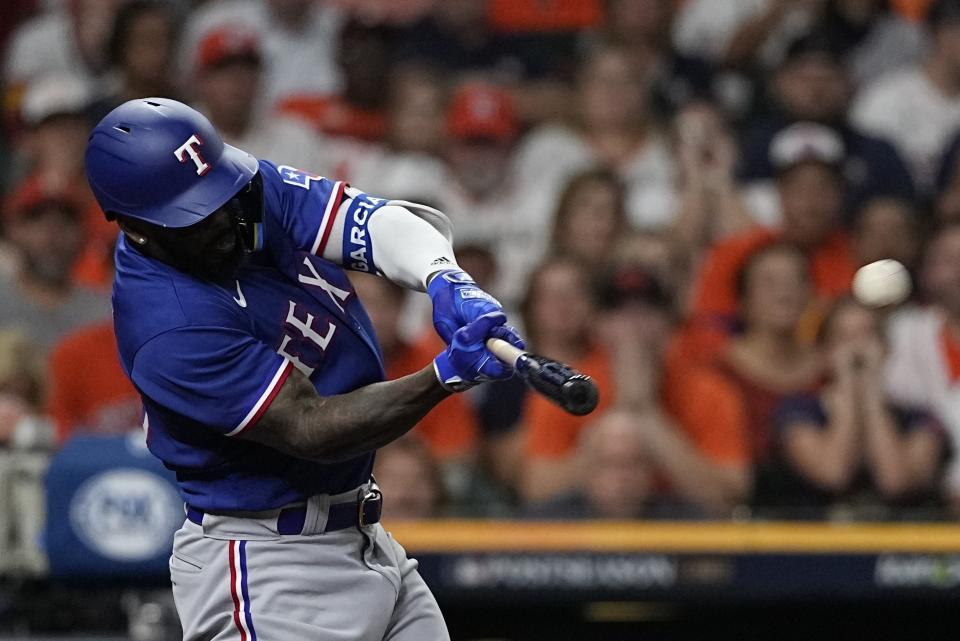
(126, 515)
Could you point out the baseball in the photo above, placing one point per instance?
(881, 283)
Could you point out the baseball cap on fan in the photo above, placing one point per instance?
(482, 111)
(55, 95)
(806, 142)
(228, 43)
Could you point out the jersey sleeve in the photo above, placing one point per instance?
(219, 377)
(307, 208)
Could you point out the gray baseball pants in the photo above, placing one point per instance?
(237, 579)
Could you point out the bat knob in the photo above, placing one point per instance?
(580, 395)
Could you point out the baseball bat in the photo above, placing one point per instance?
(574, 392)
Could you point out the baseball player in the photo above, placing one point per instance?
(261, 377)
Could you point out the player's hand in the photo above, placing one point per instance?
(458, 301)
(467, 361)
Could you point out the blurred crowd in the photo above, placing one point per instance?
(669, 195)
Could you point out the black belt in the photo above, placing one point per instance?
(365, 510)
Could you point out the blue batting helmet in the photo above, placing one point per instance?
(162, 162)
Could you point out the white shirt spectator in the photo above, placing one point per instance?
(918, 374)
(908, 110)
(705, 28)
(381, 172)
(282, 140)
(513, 223)
(42, 46)
(891, 44)
(301, 62)
(551, 154)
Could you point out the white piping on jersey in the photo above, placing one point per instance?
(326, 216)
(242, 301)
(263, 397)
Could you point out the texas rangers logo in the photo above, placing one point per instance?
(191, 150)
(296, 177)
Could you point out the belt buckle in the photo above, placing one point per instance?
(372, 494)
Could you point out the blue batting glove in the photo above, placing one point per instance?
(457, 301)
(467, 361)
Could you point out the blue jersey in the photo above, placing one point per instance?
(208, 359)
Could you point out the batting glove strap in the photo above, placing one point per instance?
(467, 361)
(449, 379)
(457, 301)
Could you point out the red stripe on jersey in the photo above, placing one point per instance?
(334, 209)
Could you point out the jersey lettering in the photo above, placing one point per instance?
(335, 293)
(307, 331)
(357, 240)
(191, 150)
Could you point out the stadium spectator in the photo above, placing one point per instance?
(847, 443)
(407, 467)
(140, 55)
(727, 407)
(887, 228)
(488, 203)
(358, 110)
(615, 127)
(69, 40)
(918, 108)
(229, 79)
(450, 429)
(22, 388)
(739, 33)
(615, 476)
(300, 39)
(558, 314)
(633, 323)
(912, 10)
(589, 218)
(494, 41)
(40, 299)
(623, 355)
(871, 37)
(946, 199)
(812, 85)
(526, 16)
(808, 160)
(415, 122)
(89, 392)
(711, 206)
(924, 365)
(409, 164)
(459, 36)
(644, 27)
(54, 111)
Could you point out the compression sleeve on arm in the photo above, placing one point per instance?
(403, 241)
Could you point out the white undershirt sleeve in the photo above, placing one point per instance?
(408, 242)
(408, 248)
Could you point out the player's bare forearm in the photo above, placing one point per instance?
(303, 424)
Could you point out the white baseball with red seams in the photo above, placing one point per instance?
(882, 283)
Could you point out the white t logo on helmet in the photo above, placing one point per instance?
(191, 149)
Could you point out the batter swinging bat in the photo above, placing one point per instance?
(565, 386)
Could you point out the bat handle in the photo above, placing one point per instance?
(505, 351)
